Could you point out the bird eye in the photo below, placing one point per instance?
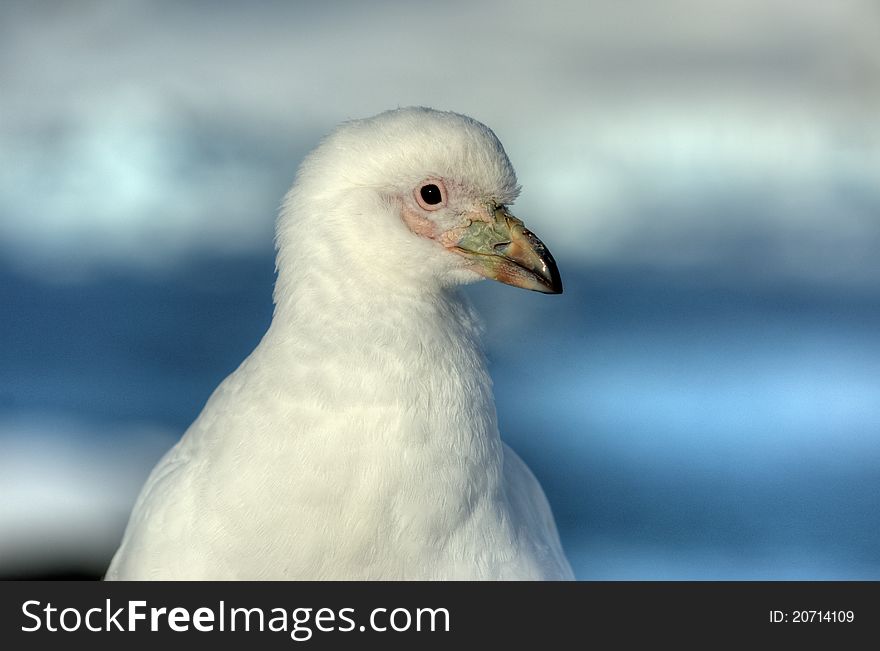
(431, 195)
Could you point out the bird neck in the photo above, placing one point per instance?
(406, 363)
(391, 384)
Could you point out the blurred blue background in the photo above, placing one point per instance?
(703, 402)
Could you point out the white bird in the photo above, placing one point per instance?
(359, 440)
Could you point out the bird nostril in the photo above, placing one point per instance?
(501, 246)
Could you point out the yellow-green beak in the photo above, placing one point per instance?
(504, 250)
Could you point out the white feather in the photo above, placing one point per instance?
(359, 440)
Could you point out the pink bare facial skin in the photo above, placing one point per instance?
(415, 213)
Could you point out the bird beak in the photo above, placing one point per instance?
(503, 249)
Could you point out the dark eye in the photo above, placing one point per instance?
(431, 194)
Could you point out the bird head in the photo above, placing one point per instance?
(422, 194)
